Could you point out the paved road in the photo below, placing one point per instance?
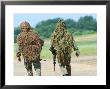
(82, 66)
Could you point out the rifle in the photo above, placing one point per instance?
(54, 61)
(54, 55)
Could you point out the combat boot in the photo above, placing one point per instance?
(37, 67)
(66, 75)
(37, 72)
(68, 70)
(30, 73)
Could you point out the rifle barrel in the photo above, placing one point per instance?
(54, 61)
(54, 67)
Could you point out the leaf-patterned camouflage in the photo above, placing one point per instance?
(61, 39)
(29, 43)
(63, 42)
(30, 46)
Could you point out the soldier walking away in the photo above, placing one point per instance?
(62, 43)
(29, 46)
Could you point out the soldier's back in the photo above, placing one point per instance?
(29, 44)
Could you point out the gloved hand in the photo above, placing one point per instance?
(19, 59)
(18, 55)
(77, 53)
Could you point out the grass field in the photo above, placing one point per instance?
(87, 45)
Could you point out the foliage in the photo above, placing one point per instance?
(85, 25)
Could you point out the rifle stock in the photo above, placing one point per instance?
(54, 61)
(54, 56)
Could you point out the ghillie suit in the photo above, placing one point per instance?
(30, 46)
(63, 42)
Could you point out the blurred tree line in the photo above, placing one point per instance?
(85, 25)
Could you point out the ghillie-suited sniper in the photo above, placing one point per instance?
(29, 46)
(62, 43)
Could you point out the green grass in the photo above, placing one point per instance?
(87, 45)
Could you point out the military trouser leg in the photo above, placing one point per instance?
(63, 69)
(60, 57)
(64, 59)
(28, 66)
(37, 67)
(68, 68)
